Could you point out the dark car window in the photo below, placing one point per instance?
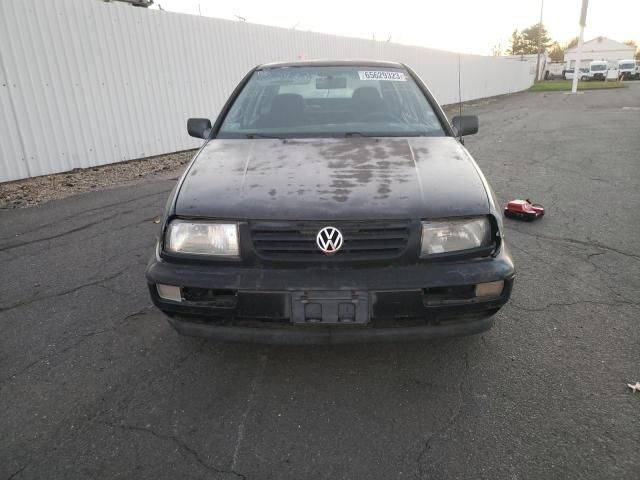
(331, 101)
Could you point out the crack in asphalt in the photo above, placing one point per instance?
(85, 239)
(16, 473)
(586, 243)
(12, 246)
(91, 210)
(93, 418)
(569, 304)
(579, 173)
(622, 300)
(118, 292)
(180, 444)
(250, 399)
(64, 292)
(576, 277)
(80, 340)
(124, 403)
(148, 248)
(457, 411)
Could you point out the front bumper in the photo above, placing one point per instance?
(257, 303)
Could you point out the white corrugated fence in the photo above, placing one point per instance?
(86, 83)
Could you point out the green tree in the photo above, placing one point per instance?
(533, 36)
(526, 41)
(572, 43)
(634, 44)
(556, 53)
(515, 44)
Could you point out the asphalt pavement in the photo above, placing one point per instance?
(95, 384)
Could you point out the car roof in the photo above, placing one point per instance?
(331, 63)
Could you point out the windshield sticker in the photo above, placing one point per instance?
(290, 76)
(380, 75)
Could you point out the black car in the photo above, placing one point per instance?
(331, 202)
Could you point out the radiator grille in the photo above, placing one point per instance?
(296, 241)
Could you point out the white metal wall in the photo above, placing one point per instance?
(85, 83)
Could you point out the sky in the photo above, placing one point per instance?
(467, 26)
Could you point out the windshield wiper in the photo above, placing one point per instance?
(385, 134)
(357, 134)
(261, 135)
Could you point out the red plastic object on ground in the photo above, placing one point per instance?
(523, 210)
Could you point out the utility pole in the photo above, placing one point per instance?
(583, 22)
(539, 41)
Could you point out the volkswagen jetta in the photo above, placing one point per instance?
(331, 201)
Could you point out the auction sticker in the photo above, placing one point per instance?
(382, 75)
(284, 75)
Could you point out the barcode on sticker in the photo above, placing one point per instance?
(382, 75)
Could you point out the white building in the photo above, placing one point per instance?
(600, 48)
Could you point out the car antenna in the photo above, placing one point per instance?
(459, 100)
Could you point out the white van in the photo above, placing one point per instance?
(598, 70)
(627, 69)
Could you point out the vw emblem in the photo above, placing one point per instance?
(329, 240)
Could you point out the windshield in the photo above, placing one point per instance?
(330, 101)
(598, 68)
(627, 66)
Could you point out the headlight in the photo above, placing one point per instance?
(199, 238)
(444, 236)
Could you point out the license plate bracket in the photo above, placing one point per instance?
(341, 307)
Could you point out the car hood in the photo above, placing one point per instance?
(332, 179)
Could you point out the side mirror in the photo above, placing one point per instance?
(465, 125)
(199, 127)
